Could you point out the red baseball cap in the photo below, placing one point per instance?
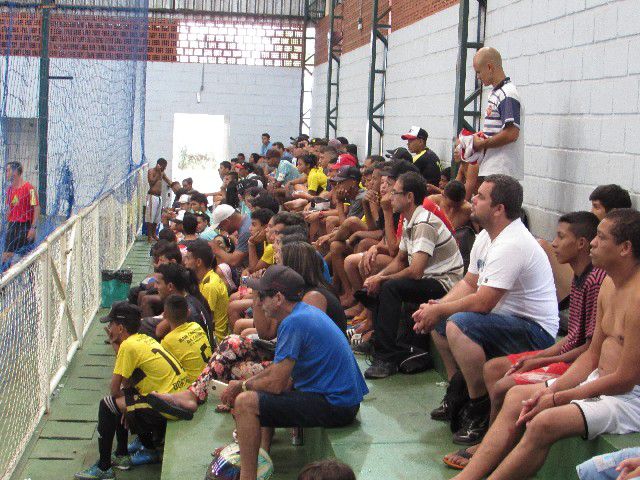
(345, 160)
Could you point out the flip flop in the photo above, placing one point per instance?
(222, 408)
(463, 453)
(162, 406)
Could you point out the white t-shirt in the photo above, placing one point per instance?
(515, 262)
(504, 109)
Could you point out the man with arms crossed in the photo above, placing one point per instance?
(153, 211)
(600, 392)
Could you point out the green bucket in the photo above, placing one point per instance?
(115, 286)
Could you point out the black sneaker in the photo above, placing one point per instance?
(417, 362)
(380, 369)
(474, 422)
(442, 412)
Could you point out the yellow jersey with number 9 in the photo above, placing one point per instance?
(149, 367)
(188, 343)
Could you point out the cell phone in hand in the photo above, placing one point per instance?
(216, 388)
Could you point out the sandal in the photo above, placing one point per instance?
(462, 453)
(223, 408)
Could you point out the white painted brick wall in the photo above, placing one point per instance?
(253, 100)
(577, 67)
(581, 95)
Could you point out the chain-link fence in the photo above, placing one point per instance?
(47, 302)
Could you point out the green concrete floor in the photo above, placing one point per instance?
(394, 438)
(66, 440)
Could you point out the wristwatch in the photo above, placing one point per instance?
(244, 386)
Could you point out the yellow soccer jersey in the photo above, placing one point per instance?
(189, 344)
(215, 292)
(149, 367)
(268, 254)
(316, 180)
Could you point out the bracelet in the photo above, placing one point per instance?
(553, 399)
(244, 386)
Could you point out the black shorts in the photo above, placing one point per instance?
(17, 236)
(303, 409)
(141, 417)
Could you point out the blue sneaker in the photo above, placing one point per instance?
(121, 462)
(134, 446)
(145, 456)
(94, 473)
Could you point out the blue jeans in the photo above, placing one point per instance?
(498, 334)
(603, 467)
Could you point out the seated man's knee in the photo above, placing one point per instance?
(246, 403)
(494, 369)
(542, 429)
(516, 395)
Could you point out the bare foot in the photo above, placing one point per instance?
(460, 459)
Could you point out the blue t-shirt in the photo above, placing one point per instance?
(286, 172)
(324, 361)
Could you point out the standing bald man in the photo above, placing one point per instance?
(503, 122)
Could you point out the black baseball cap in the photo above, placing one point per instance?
(399, 153)
(124, 313)
(299, 138)
(348, 173)
(278, 278)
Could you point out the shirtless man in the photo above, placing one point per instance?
(153, 212)
(452, 202)
(600, 393)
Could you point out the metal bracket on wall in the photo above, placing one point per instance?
(334, 46)
(467, 112)
(377, 77)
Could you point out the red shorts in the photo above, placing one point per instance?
(539, 375)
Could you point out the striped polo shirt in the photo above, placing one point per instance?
(583, 301)
(504, 108)
(425, 232)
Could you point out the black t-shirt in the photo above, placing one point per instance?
(380, 222)
(197, 313)
(334, 310)
(429, 165)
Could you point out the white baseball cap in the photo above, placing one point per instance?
(220, 213)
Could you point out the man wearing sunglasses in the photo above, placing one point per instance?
(312, 356)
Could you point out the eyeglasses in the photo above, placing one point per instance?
(393, 192)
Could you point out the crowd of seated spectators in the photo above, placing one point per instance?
(309, 254)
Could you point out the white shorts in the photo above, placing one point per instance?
(153, 212)
(617, 414)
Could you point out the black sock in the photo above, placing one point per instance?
(108, 421)
(122, 438)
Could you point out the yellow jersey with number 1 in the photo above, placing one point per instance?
(188, 343)
(149, 367)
